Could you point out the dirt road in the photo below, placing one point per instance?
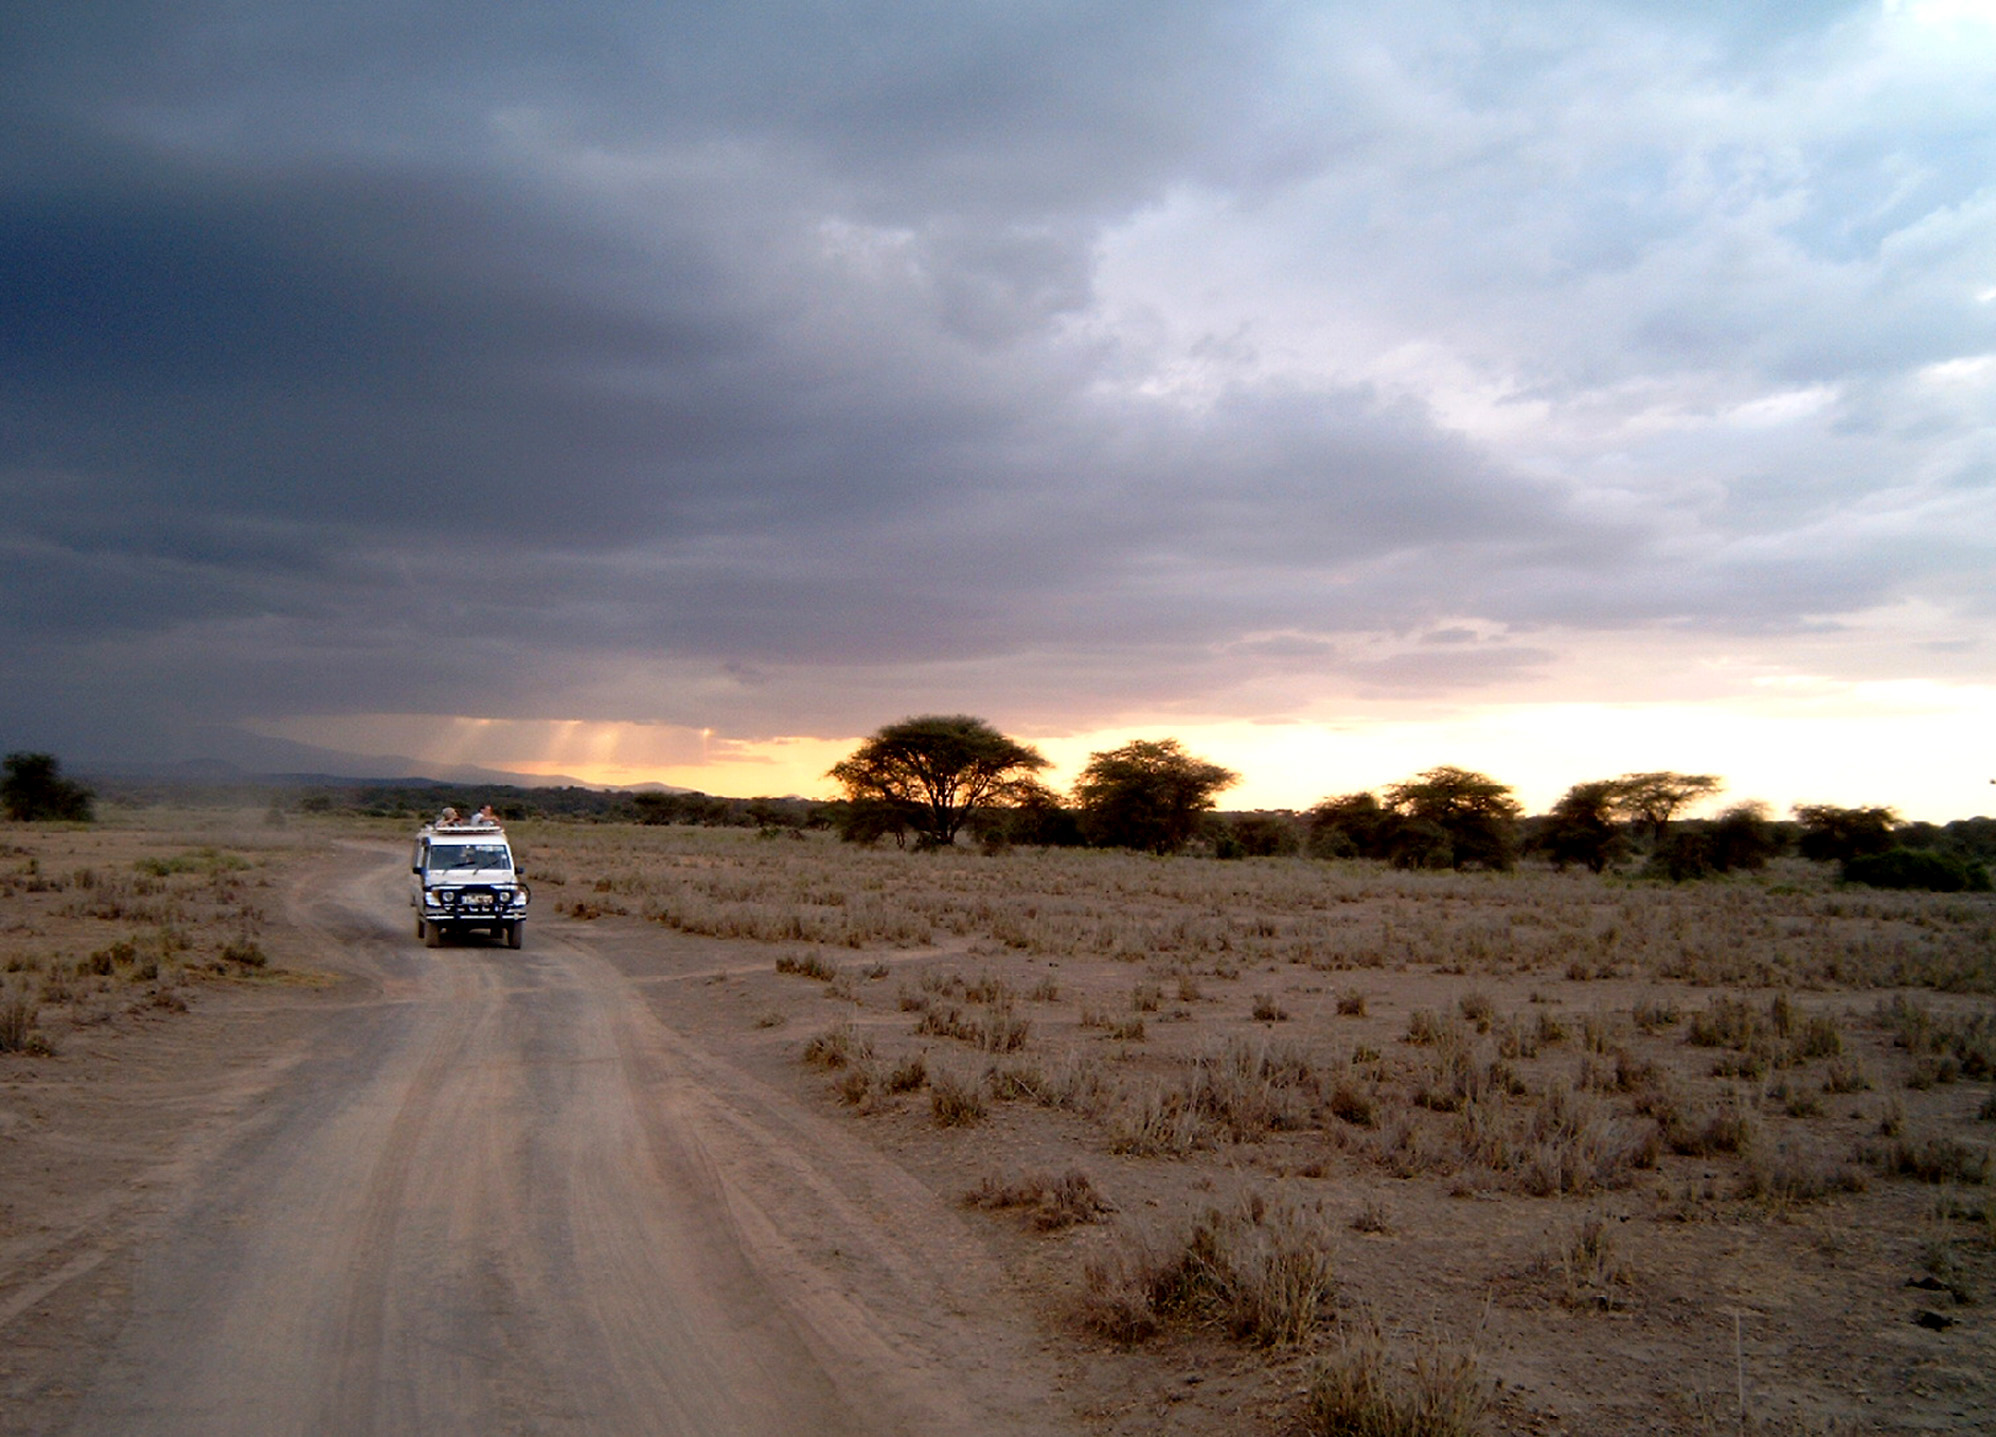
(494, 1193)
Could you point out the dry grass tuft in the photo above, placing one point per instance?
(1584, 1267)
(18, 1017)
(838, 1046)
(1050, 1203)
(1261, 1271)
(1359, 1391)
(1932, 1159)
(808, 965)
(954, 1101)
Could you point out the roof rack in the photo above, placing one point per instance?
(467, 825)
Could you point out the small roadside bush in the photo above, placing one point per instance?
(1050, 1203)
(955, 1102)
(1259, 1270)
(836, 1047)
(1359, 1391)
(245, 952)
(17, 1024)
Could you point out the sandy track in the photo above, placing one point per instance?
(497, 1195)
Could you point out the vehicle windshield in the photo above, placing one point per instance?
(470, 855)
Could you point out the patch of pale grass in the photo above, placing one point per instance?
(1261, 1271)
(1049, 1203)
(1360, 1390)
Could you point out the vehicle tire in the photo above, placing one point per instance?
(514, 932)
(433, 934)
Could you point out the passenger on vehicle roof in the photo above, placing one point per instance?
(486, 815)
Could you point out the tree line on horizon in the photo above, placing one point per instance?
(929, 780)
(932, 777)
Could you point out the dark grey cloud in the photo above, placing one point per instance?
(373, 358)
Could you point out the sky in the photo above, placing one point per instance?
(654, 392)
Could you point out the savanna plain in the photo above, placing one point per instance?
(1270, 1146)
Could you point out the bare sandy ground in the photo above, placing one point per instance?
(470, 1191)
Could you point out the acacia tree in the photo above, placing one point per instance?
(1582, 827)
(1147, 795)
(1454, 816)
(1833, 834)
(35, 789)
(933, 771)
(1651, 800)
(1351, 825)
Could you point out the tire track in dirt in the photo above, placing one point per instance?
(498, 1195)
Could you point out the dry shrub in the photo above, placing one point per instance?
(1248, 1089)
(1267, 1010)
(837, 1046)
(1788, 1178)
(17, 1024)
(1351, 1104)
(1570, 1147)
(1002, 1031)
(1241, 1091)
(1966, 1043)
(1654, 1012)
(996, 1029)
(954, 1101)
(1516, 1040)
(1051, 1203)
(1261, 1271)
(1156, 1122)
(1584, 1267)
(985, 988)
(1117, 1300)
(908, 1074)
(1931, 1159)
(810, 965)
(1820, 1037)
(1424, 1026)
(1372, 1217)
(1359, 1391)
(1726, 1022)
(1723, 1128)
(855, 1085)
(1351, 1004)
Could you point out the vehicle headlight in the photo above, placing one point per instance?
(446, 896)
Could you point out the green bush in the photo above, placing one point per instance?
(35, 790)
(1917, 868)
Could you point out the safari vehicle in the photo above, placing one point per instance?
(466, 882)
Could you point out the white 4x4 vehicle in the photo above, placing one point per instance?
(465, 880)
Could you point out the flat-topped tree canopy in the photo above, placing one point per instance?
(936, 769)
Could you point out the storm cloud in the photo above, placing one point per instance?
(783, 368)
